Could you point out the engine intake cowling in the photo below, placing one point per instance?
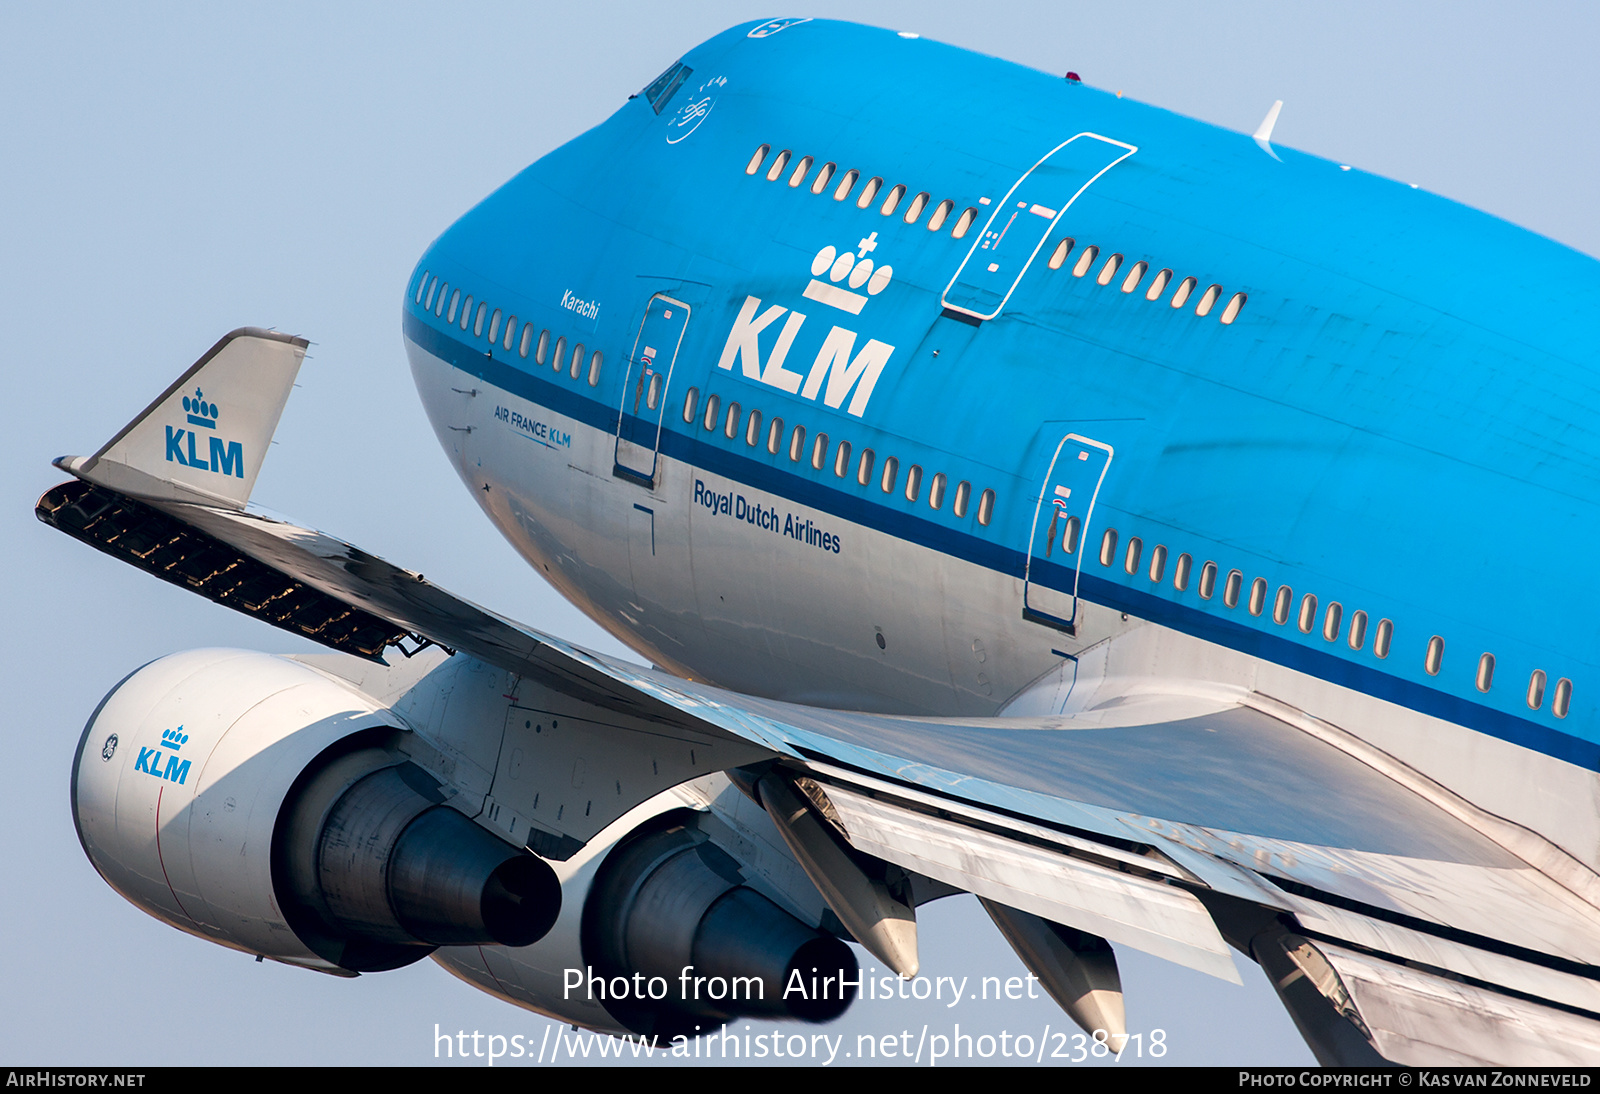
(258, 803)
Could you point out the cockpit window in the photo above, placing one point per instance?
(660, 92)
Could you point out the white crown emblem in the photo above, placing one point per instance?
(855, 270)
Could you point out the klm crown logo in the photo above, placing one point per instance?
(218, 456)
(174, 770)
(847, 272)
(200, 412)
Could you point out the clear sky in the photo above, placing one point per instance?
(173, 173)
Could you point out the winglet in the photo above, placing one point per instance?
(1263, 133)
(204, 438)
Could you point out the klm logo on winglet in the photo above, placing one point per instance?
(216, 455)
(838, 369)
(176, 770)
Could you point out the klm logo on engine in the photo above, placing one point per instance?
(150, 759)
(205, 451)
(838, 371)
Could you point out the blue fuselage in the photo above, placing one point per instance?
(1393, 420)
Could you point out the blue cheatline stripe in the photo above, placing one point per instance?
(1187, 619)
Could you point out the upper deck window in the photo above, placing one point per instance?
(1208, 301)
(422, 287)
(963, 223)
(1059, 255)
(1231, 312)
(986, 507)
(801, 170)
(1085, 260)
(940, 213)
(1135, 275)
(1158, 285)
(758, 159)
(779, 162)
(1109, 270)
(868, 192)
(824, 173)
(1185, 287)
(892, 201)
(847, 182)
(914, 210)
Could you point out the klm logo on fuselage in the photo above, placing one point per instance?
(175, 770)
(211, 453)
(838, 371)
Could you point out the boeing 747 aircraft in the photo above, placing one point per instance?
(1153, 531)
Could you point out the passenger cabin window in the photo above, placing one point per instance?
(1208, 580)
(846, 183)
(1158, 285)
(963, 222)
(577, 362)
(477, 323)
(1180, 572)
(1059, 255)
(1208, 300)
(868, 192)
(779, 162)
(963, 495)
(1331, 619)
(455, 303)
(891, 473)
(422, 287)
(1536, 689)
(1308, 614)
(494, 326)
(466, 313)
(1231, 590)
(986, 507)
(758, 159)
(936, 491)
(1258, 596)
(1358, 630)
(752, 429)
(1435, 658)
(1382, 639)
(1130, 561)
(527, 339)
(1085, 260)
(433, 287)
(892, 202)
(595, 362)
(914, 210)
(797, 443)
(1158, 563)
(713, 411)
(1563, 698)
(1109, 270)
(560, 354)
(1485, 678)
(801, 170)
(841, 459)
(444, 294)
(1185, 287)
(913, 482)
(1108, 547)
(1069, 536)
(543, 352)
(940, 213)
(775, 436)
(819, 451)
(730, 425)
(1135, 275)
(824, 173)
(1231, 312)
(864, 467)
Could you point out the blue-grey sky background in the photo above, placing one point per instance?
(172, 172)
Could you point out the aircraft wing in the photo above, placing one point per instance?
(1396, 921)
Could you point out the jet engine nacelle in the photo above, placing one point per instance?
(258, 803)
(664, 930)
